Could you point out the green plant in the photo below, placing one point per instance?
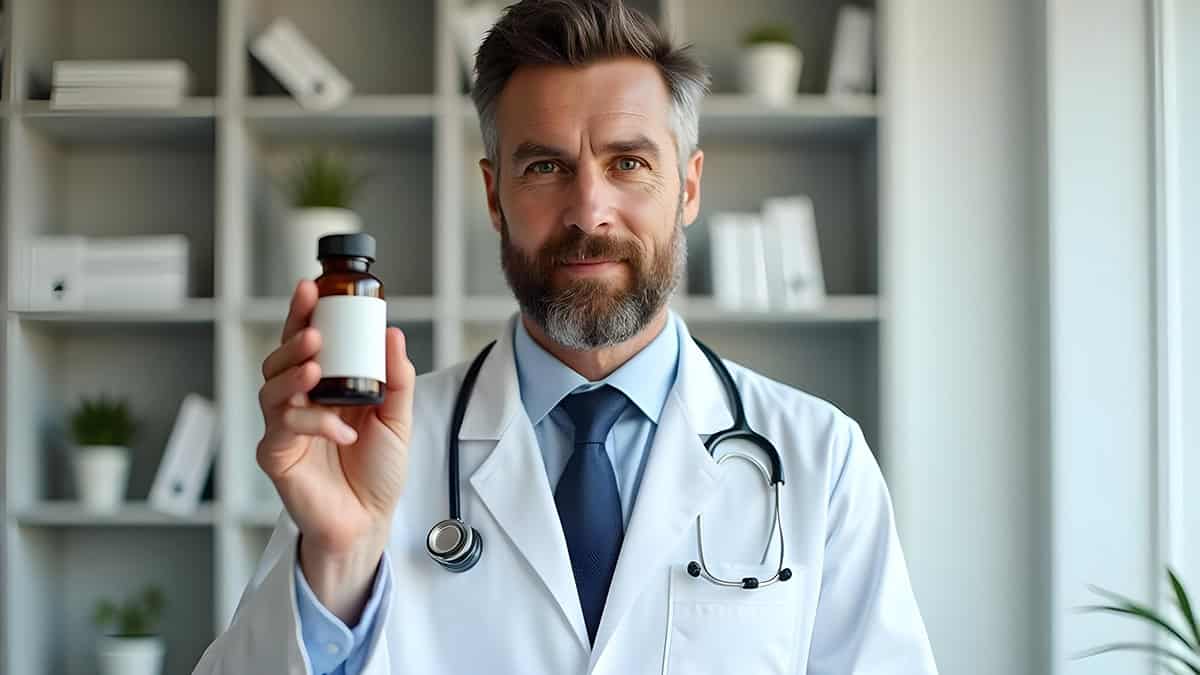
(322, 178)
(103, 421)
(769, 33)
(1189, 637)
(137, 617)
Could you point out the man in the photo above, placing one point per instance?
(583, 467)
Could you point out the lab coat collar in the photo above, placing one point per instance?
(680, 479)
(645, 379)
(497, 396)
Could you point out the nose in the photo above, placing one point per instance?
(591, 205)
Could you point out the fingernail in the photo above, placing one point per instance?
(348, 435)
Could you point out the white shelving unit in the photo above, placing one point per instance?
(205, 170)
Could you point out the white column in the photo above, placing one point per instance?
(1103, 384)
(963, 338)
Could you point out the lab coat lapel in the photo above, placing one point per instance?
(680, 479)
(512, 480)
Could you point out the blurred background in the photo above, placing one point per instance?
(971, 224)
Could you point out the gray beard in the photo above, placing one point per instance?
(567, 317)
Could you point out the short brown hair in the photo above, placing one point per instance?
(575, 33)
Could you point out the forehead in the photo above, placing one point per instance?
(557, 104)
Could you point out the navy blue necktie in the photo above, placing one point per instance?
(589, 505)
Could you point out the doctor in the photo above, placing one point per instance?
(581, 460)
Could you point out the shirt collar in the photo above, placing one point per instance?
(646, 379)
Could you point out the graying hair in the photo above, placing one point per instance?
(576, 33)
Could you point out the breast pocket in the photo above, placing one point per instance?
(717, 629)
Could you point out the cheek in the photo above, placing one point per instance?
(531, 219)
(652, 220)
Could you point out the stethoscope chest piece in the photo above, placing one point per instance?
(454, 545)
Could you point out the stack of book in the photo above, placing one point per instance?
(90, 85)
(769, 259)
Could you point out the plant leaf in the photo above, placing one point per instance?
(1184, 605)
(1137, 647)
(1133, 609)
(1170, 667)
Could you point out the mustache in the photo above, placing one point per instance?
(576, 245)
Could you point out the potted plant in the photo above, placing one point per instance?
(131, 645)
(1184, 644)
(101, 428)
(771, 63)
(321, 188)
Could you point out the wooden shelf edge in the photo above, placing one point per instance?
(836, 309)
(400, 309)
(130, 514)
(197, 106)
(195, 310)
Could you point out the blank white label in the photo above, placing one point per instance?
(353, 336)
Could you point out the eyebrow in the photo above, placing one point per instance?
(639, 143)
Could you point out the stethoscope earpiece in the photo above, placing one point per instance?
(694, 569)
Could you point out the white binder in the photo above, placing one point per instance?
(187, 458)
(299, 67)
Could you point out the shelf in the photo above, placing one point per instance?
(192, 123)
(194, 311)
(808, 116)
(361, 119)
(399, 310)
(732, 116)
(214, 169)
(837, 309)
(131, 514)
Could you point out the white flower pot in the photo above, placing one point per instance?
(101, 476)
(301, 232)
(771, 72)
(131, 656)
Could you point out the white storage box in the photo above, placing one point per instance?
(75, 272)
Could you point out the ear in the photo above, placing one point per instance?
(491, 186)
(691, 187)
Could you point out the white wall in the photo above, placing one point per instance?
(964, 283)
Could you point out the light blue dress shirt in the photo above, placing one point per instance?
(646, 380)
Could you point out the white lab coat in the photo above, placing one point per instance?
(848, 608)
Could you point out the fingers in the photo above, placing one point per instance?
(304, 300)
(285, 407)
(284, 386)
(317, 421)
(299, 348)
(396, 409)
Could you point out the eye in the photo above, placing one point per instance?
(544, 168)
(629, 163)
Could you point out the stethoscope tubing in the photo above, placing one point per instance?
(463, 549)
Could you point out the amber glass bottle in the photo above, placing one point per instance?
(351, 316)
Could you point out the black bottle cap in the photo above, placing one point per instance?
(357, 245)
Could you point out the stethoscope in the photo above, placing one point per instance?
(457, 546)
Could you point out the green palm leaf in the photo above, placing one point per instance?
(1134, 646)
(1133, 609)
(1184, 605)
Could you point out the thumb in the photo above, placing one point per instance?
(396, 410)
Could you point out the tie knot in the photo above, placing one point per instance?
(594, 412)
